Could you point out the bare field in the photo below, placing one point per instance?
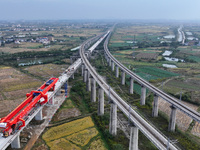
(147, 56)
(14, 81)
(25, 47)
(13, 89)
(47, 70)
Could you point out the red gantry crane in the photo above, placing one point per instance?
(16, 119)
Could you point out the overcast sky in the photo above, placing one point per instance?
(99, 9)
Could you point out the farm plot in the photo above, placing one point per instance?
(67, 110)
(24, 47)
(147, 56)
(47, 70)
(194, 58)
(13, 89)
(12, 80)
(184, 84)
(78, 134)
(151, 73)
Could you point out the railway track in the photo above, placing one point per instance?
(159, 140)
(173, 101)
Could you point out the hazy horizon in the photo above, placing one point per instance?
(100, 10)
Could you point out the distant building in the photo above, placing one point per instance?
(51, 38)
(34, 33)
(17, 42)
(46, 42)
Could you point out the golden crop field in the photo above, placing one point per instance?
(76, 135)
(83, 137)
(67, 129)
(62, 144)
(97, 145)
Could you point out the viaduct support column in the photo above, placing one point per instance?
(93, 90)
(113, 119)
(101, 102)
(131, 85)
(39, 115)
(85, 76)
(155, 106)
(110, 61)
(113, 66)
(172, 121)
(88, 84)
(16, 142)
(117, 72)
(72, 76)
(71, 60)
(123, 77)
(133, 144)
(143, 95)
(83, 68)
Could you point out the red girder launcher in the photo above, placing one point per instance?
(16, 119)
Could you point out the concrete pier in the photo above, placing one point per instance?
(113, 119)
(172, 121)
(133, 143)
(131, 85)
(39, 115)
(110, 61)
(143, 95)
(113, 66)
(83, 68)
(123, 77)
(71, 60)
(72, 76)
(155, 106)
(88, 84)
(117, 71)
(16, 143)
(101, 101)
(107, 59)
(88, 75)
(85, 76)
(93, 90)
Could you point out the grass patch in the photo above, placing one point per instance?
(22, 86)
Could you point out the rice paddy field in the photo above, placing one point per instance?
(77, 135)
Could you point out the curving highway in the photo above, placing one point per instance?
(173, 101)
(151, 133)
